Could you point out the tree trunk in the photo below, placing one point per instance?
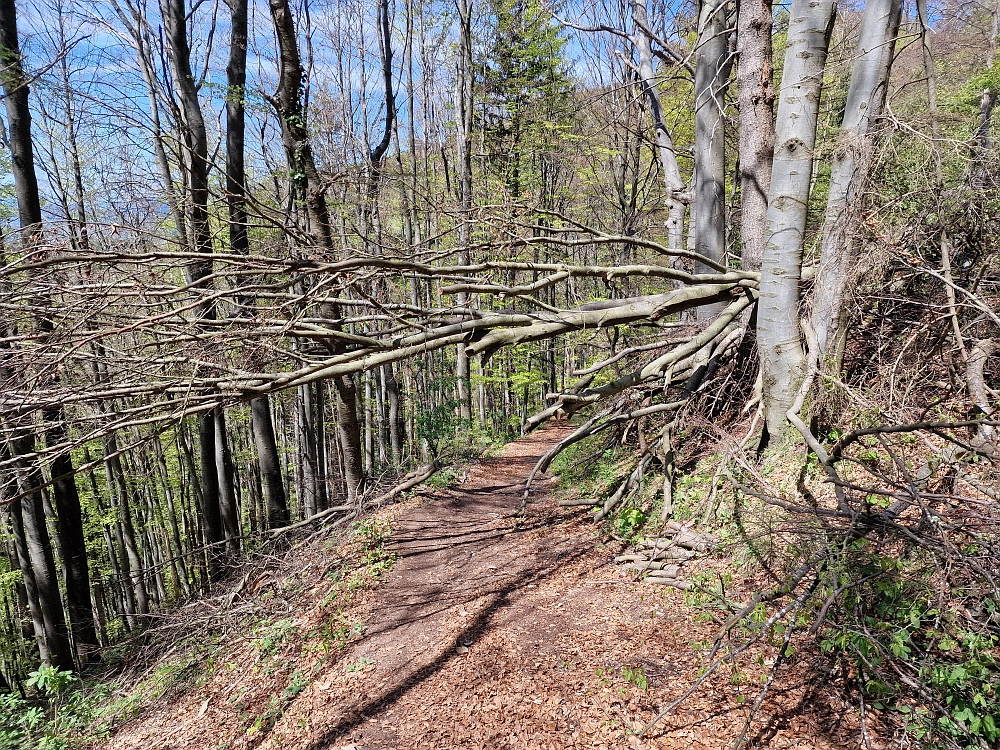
(755, 88)
(287, 100)
(211, 508)
(15, 88)
(350, 435)
(195, 139)
(134, 570)
(39, 551)
(464, 105)
(782, 358)
(851, 163)
(66, 498)
(664, 145)
(236, 78)
(229, 510)
(270, 463)
(28, 579)
(710, 83)
(396, 427)
(307, 451)
(73, 547)
(175, 534)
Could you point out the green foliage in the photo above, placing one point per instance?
(585, 471)
(361, 663)
(444, 478)
(525, 86)
(273, 636)
(889, 626)
(628, 521)
(298, 682)
(438, 424)
(61, 716)
(987, 78)
(689, 491)
(371, 532)
(50, 680)
(637, 677)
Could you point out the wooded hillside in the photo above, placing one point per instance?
(263, 262)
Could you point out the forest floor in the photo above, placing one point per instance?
(488, 631)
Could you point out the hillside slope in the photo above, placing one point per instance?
(489, 631)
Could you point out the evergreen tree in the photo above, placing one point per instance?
(526, 88)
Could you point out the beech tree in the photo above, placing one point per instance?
(394, 236)
(24, 487)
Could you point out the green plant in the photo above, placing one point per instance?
(888, 626)
(273, 635)
(637, 677)
(443, 479)
(359, 665)
(298, 682)
(628, 521)
(439, 424)
(66, 717)
(50, 680)
(371, 532)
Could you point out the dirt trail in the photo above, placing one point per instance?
(492, 631)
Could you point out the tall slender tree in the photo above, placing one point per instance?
(308, 185)
(69, 515)
(782, 358)
(852, 161)
(755, 93)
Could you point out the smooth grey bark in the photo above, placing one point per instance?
(674, 184)
(349, 431)
(72, 544)
(22, 619)
(755, 95)
(981, 140)
(382, 421)
(270, 463)
(308, 454)
(463, 106)
(15, 88)
(236, 76)
(229, 510)
(28, 580)
(168, 493)
(396, 427)
(369, 426)
(39, 550)
(236, 79)
(710, 83)
(211, 509)
(782, 358)
(849, 171)
(195, 137)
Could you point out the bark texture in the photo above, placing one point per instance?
(672, 180)
(755, 94)
(710, 82)
(851, 165)
(69, 520)
(782, 358)
(287, 100)
(270, 463)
